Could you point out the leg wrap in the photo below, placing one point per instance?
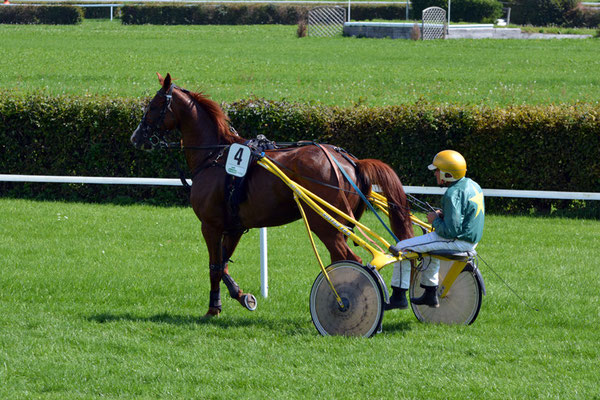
(215, 299)
(217, 267)
(233, 287)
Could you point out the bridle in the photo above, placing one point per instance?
(155, 135)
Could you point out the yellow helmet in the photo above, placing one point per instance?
(451, 164)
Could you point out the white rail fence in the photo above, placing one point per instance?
(264, 279)
(530, 194)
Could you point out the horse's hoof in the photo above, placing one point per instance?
(249, 301)
(212, 312)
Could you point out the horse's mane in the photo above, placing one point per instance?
(217, 115)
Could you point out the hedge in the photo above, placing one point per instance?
(583, 17)
(568, 13)
(520, 147)
(241, 14)
(462, 10)
(541, 12)
(535, 147)
(44, 135)
(209, 14)
(286, 14)
(365, 12)
(50, 15)
(487, 11)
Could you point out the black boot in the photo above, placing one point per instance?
(429, 298)
(397, 299)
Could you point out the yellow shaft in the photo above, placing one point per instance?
(315, 202)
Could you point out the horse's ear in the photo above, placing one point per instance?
(167, 82)
(164, 82)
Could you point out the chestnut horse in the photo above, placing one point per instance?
(267, 201)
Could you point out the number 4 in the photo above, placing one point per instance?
(238, 156)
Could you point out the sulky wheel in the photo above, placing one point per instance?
(361, 295)
(461, 304)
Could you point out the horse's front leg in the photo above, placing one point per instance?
(230, 242)
(220, 248)
(214, 238)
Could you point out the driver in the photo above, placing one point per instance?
(458, 226)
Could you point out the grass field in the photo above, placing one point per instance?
(235, 62)
(106, 301)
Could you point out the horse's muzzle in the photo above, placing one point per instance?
(137, 139)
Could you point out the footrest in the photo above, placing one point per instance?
(394, 251)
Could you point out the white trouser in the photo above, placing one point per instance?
(431, 265)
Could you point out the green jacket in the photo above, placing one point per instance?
(464, 212)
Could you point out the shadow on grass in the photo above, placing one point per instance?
(397, 326)
(286, 326)
(290, 326)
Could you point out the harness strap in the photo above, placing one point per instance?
(345, 154)
(338, 178)
(186, 186)
(343, 195)
(363, 197)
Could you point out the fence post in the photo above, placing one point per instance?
(264, 269)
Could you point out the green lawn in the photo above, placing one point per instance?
(234, 62)
(106, 301)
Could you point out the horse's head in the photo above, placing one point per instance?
(158, 119)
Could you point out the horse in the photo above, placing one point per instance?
(205, 136)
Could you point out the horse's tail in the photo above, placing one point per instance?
(375, 172)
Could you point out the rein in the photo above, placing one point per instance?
(156, 137)
(287, 146)
(364, 199)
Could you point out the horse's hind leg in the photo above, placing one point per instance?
(338, 248)
(334, 240)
